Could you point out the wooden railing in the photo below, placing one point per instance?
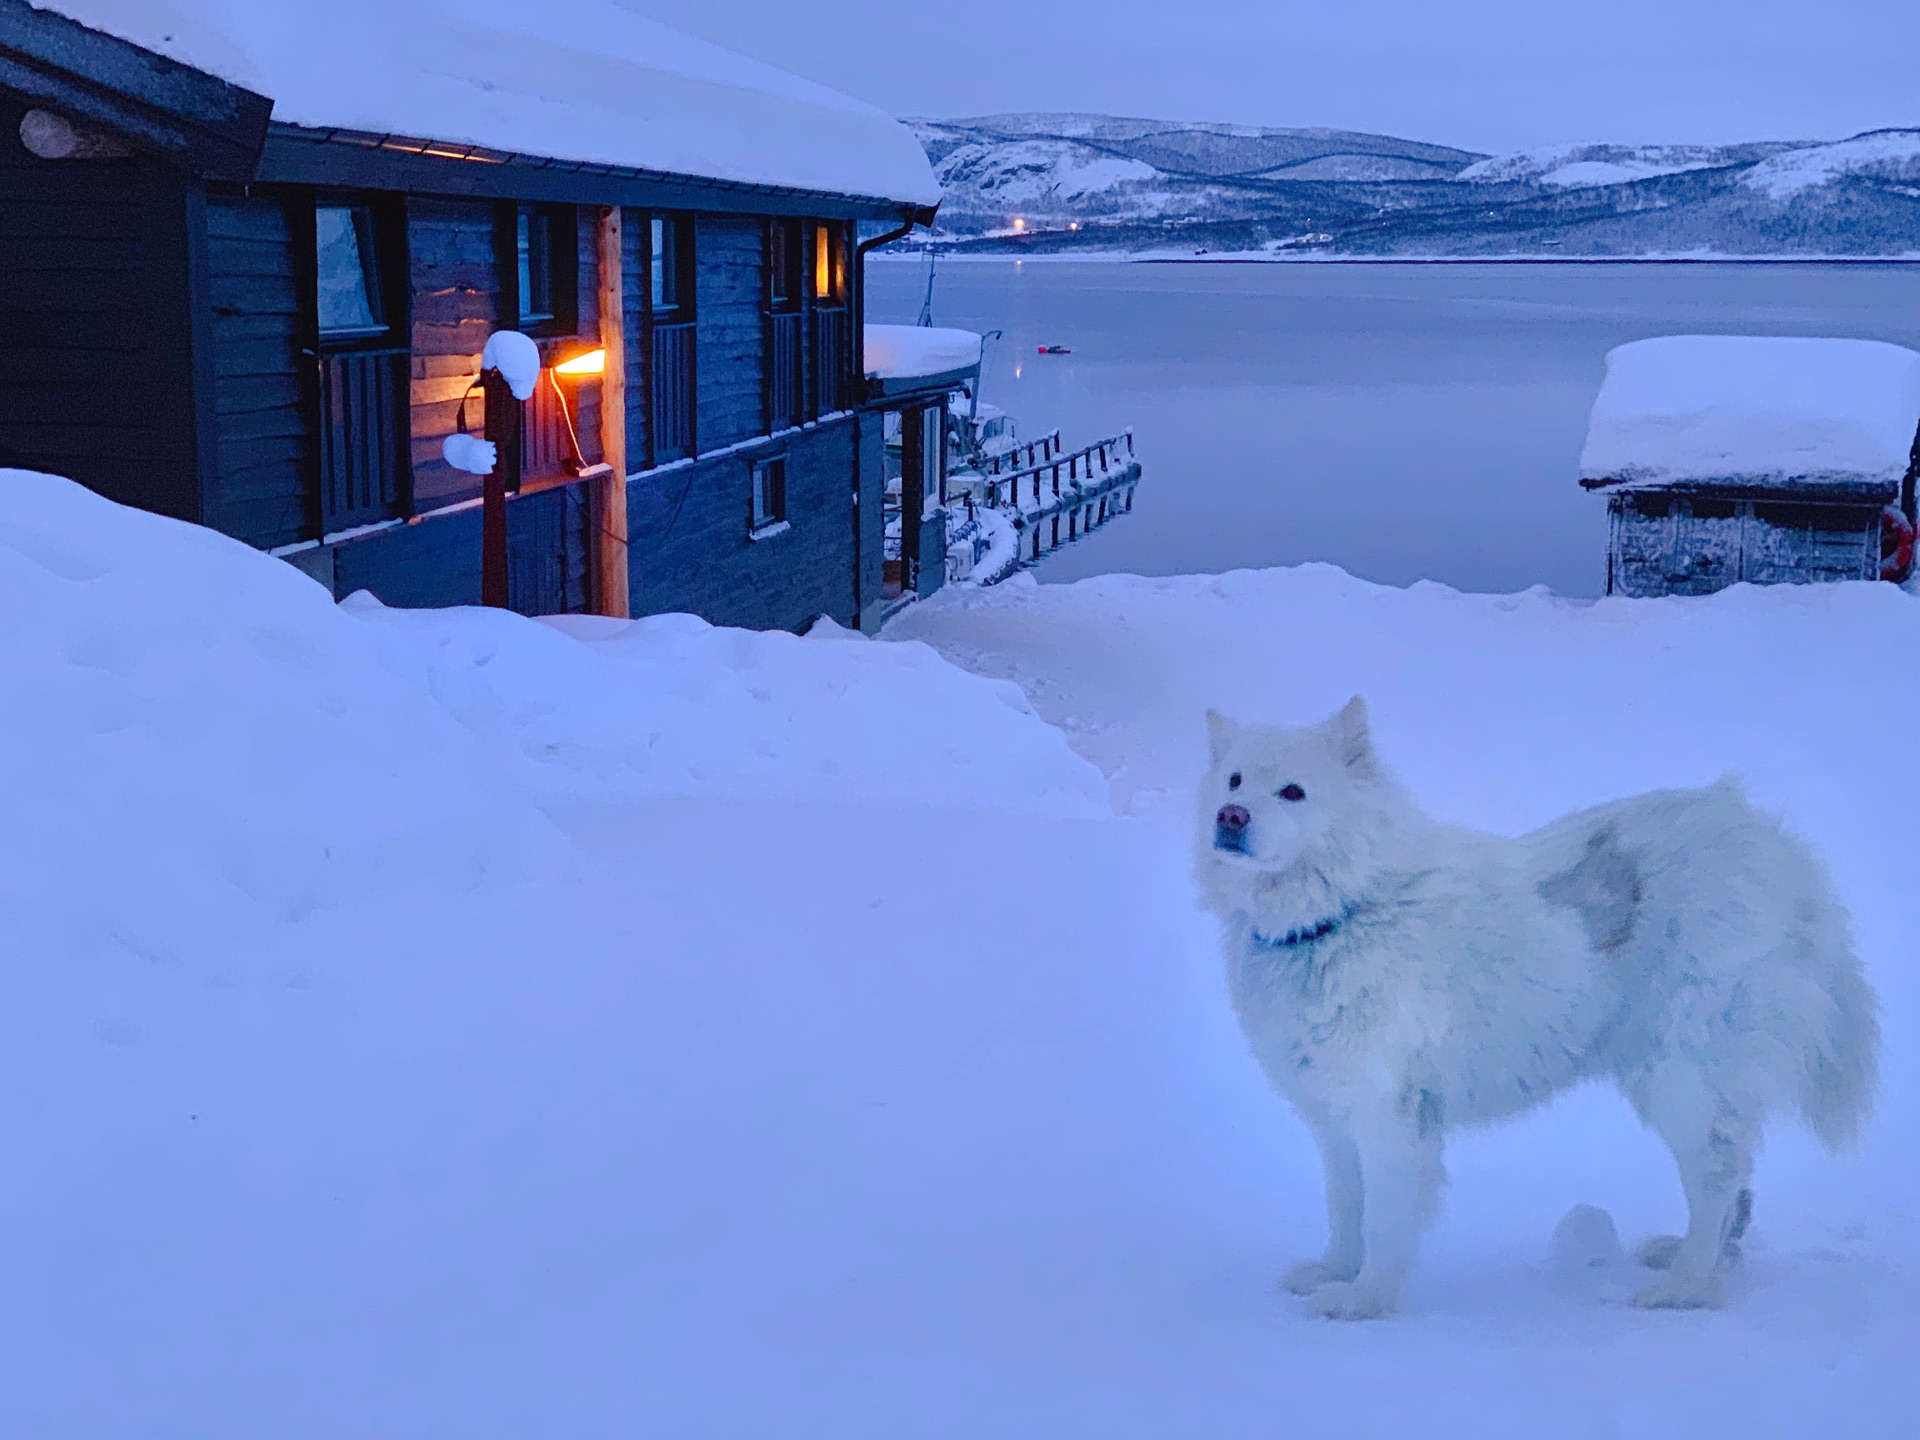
(362, 474)
(1020, 457)
(786, 369)
(1046, 477)
(832, 358)
(544, 444)
(673, 391)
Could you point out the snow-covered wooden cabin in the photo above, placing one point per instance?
(1758, 458)
(252, 252)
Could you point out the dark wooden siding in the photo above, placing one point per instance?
(97, 323)
(872, 508)
(436, 561)
(261, 490)
(730, 256)
(636, 281)
(584, 395)
(546, 433)
(691, 550)
(454, 267)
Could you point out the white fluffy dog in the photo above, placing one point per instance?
(1398, 977)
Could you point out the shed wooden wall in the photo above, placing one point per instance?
(1667, 544)
(97, 323)
(259, 269)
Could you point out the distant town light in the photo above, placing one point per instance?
(1073, 224)
(1019, 224)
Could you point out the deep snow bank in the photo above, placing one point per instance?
(196, 737)
(445, 1024)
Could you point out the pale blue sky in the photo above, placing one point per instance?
(1481, 74)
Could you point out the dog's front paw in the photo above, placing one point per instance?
(1656, 1252)
(1672, 1291)
(1309, 1275)
(1350, 1300)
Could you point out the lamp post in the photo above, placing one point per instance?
(509, 371)
(502, 432)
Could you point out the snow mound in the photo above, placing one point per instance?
(199, 725)
(579, 80)
(1892, 154)
(905, 352)
(517, 359)
(1754, 410)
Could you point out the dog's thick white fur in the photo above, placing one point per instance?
(1398, 977)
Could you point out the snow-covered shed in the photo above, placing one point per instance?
(255, 252)
(1759, 458)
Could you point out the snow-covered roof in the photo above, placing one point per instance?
(917, 352)
(578, 80)
(1754, 410)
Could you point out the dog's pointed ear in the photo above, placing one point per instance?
(1220, 734)
(1353, 739)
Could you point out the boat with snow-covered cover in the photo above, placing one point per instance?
(1766, 459)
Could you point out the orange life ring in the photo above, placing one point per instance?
(1896, 544)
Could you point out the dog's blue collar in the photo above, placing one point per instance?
(1305, 935)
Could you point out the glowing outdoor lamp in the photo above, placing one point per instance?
(593, 362)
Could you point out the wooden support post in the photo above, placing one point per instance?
(610, 503)
(503, 429)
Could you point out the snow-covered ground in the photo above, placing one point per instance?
(428, 1024)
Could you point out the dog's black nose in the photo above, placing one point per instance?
(1232, 819)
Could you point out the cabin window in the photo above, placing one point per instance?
(831, 367)
(932, 456)
(347, 272)
(786, 324)
(829, 264)
(769, 494)
(547, 263)
(360, 312)
(672, 248)
(675, 337)
(784, 265)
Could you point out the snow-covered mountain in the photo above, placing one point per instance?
(1050, 182)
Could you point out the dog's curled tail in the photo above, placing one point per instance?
(1842, 1063)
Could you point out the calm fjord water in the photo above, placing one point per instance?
(1402, 421)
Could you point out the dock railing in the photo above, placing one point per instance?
(1023, 457)
(1047, 471)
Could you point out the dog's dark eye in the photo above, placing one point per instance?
(1233, 781)
(1291, 792)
